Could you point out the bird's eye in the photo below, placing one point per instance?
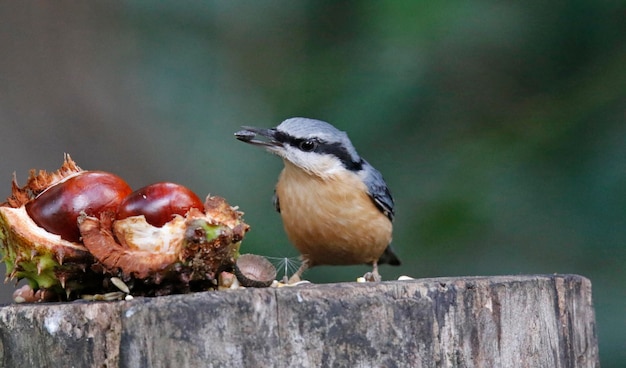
(308, 145)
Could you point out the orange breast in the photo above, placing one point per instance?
(331, 221)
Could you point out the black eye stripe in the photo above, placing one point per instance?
(299, 143)
(322, 147)
(282, 137)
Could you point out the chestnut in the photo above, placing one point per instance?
(92, 192)
(159, 202)
(193, 247)
(39, 240)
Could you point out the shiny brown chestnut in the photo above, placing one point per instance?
(159, 202)
(92, 192)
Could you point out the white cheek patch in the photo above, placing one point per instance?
(322, 165)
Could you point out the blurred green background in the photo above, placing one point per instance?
(499, 126)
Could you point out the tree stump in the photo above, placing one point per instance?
(503, 321)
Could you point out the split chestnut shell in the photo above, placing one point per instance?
(46, 260)
(61, 233)
(193, 248)
(254, 271)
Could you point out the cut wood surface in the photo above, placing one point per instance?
(502, 321)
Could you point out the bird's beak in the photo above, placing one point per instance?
(248, 135)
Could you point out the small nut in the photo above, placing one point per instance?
(254, 271)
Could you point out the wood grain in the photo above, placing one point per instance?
(503, 321)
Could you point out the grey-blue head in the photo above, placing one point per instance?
(313, 145)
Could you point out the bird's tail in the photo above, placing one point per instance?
(389, 257)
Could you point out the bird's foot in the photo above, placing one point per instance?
(297, 277)
(294, 279)
(372, 277)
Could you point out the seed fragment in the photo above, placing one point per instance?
(120, 284)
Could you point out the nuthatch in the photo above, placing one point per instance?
(336, 208)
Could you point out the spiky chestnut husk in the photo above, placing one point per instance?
(185, 254)
(61, 269)
(38, 181)
(45, 260)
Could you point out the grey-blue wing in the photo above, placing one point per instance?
(378, 190)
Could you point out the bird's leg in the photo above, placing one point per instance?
(373, 276)
(296, 277)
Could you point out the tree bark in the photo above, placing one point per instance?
(502, 321)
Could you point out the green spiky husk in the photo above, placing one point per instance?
(44, 260)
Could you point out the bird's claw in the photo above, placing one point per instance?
(372, 277)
